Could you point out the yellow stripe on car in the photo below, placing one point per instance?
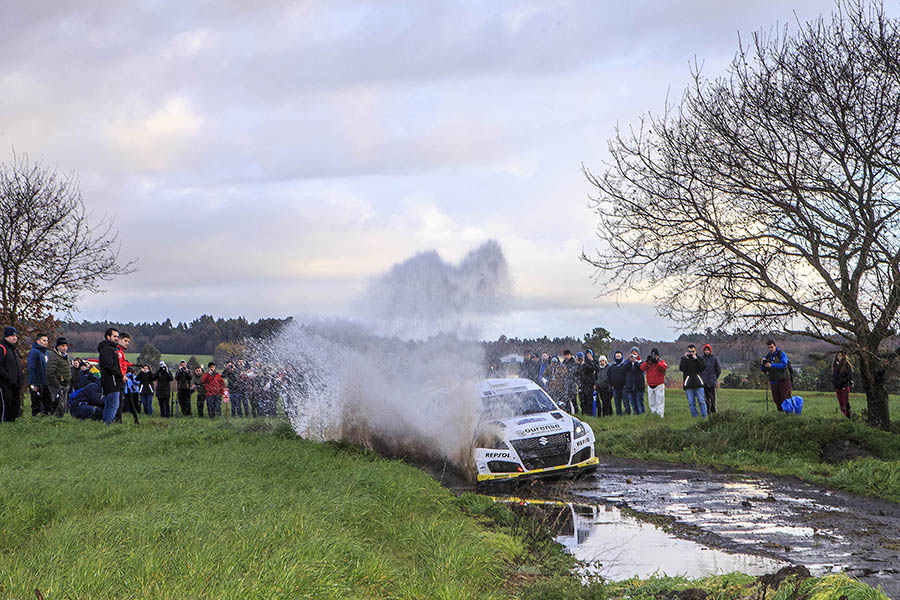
(492, 476)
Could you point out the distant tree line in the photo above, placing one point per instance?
(200, 336)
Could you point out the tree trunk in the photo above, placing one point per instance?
(872, 370)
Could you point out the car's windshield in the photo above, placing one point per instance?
(512, 404)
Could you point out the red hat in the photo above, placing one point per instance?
(705, 346)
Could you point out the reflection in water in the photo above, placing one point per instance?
(618, 546)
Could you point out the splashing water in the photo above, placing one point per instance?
(401, 380)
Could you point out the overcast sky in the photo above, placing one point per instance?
(269, 158)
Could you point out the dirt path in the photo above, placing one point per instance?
(781, 517)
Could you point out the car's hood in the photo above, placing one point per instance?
(532, 425)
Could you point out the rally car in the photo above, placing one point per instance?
(523, 433)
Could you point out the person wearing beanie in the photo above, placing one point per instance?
(655, 368)
(11, 379)
(617, 380)
(603, 385)
(164, 380)
(59, 376)
(710, 377)
(37, 376)
(634, 381)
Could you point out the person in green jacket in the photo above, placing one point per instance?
(59, 376)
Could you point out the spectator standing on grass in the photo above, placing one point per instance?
(556, 383)
(230, 375)
(617, 379)
(145, 389)
(710, 375)
(842, 378)
(183, 388)
(125, 402)
(777, 366)
(131, 389)
(691, 367)
(197, 384)
(569, 379)
(37, 376)
(59, 376)
(110, 374)
(76, 374)
(545, 364)
(214, 386)
(239, 394)
(655, 368)
(634, 381)
(584, 378)
(10, 375)
(164, 380)
(603, 385)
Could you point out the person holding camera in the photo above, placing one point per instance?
(183, 381)
(710, 377)
(655, 368)
(777, 366)
(692, 367)
(842, 378)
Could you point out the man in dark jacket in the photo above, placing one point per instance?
(10, 375)
(777, 365)
(585, 372)
(617, 380)
(692, 367)
(634, 381)
(183, 388)
(110, 373)
(163, 380)
(710, 375)
(59, 376)
(37, 376)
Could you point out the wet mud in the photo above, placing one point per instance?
(783, 519)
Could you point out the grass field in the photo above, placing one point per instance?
(191, 508)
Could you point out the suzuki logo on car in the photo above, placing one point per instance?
(543, 441)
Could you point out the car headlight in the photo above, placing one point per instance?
(580, 429)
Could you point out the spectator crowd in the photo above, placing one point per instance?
(58, 384)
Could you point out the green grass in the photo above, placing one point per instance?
(197, 509)
(747, 434)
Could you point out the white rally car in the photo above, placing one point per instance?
(523, 433)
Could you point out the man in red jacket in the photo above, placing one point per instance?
(655, 368)
(214, 385)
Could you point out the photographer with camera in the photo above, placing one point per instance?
(778, 367)
(655, 368)
(183, 381)
(692, 367)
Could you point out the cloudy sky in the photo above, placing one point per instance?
(269, 158)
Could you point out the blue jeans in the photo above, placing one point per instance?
(213, 406)
(637, 401)
(147, 401)
(618, 393)
(696, 396)
(239, 405)
(110, 407)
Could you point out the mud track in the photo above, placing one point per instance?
(780, 517)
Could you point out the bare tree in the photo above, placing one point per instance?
(769, 198)
(50, 252)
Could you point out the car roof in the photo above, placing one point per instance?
(493, 387)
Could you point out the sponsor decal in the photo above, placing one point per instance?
(531, 420)
(497, 455)
(582, 441)
(539, 429)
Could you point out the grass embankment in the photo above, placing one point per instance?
(820, 445)
(191, 508)
(195, 509)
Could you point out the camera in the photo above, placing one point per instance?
(653, 359)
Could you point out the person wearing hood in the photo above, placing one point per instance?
(556, 383)
(163, 379)
(634, 381)
(603, 385)
(585, 372)
(37, 376)
(617, 381)
(692, 367)
(545, 364)
(10, 375)
(110, 373)
(710, 377)
(59, 376)
(655, 368)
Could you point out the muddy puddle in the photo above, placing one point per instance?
(618, 546)
(782, 520)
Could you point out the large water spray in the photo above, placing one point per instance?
(400, 379)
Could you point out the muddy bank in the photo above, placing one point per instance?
(779, 517)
